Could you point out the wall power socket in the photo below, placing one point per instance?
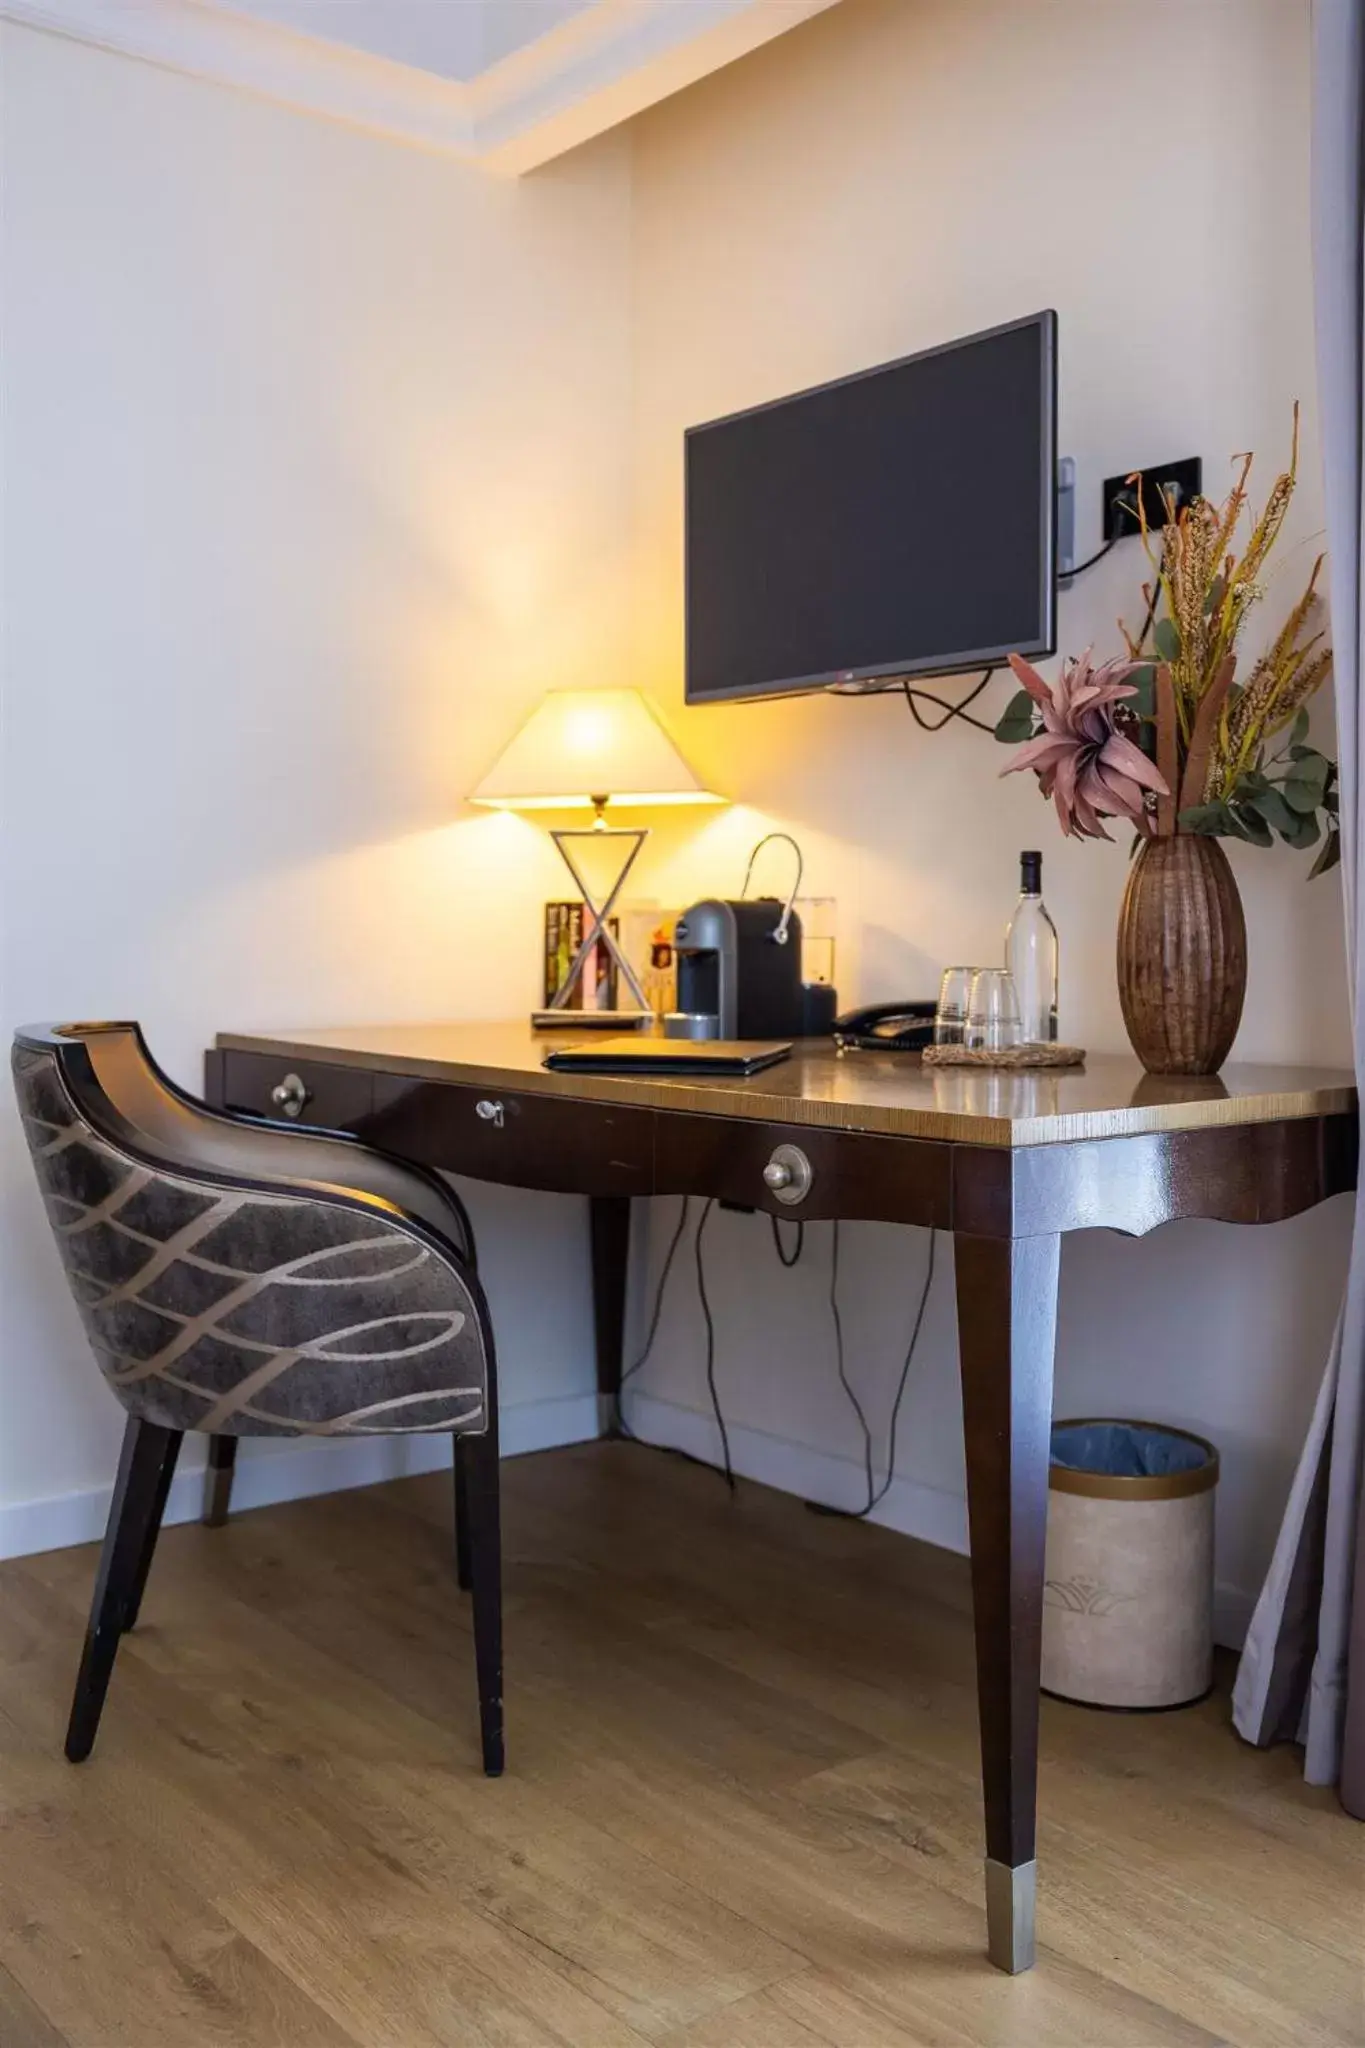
(1181, 480)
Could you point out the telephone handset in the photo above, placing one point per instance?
(887, 1027)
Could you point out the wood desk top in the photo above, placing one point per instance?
(1110, 1097)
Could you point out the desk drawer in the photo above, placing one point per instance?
(519, 1138)
(853, 1174)
(337, 1098)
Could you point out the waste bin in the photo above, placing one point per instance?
(1128, 1601)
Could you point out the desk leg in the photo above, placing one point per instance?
(609, 1229)
(1007, 1324)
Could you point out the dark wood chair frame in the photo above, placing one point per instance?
(147, 1467)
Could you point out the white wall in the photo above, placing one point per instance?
(881, 179)
(315, 475)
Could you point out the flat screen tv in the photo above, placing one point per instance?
(900, 522)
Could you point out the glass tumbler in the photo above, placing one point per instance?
(992, 1012)
(950, 1019)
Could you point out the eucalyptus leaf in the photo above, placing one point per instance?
(1270, 805)
(1306, 785)
(1302, 832)
(1299, 730)
(1166, 639)
(1328, 855)
(1215, 596)
(1252, 825)
(1209, 821)
(1143, 681)
(1015, 723)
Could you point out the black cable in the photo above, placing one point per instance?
(705, 1300)
(622, 1427)
(875, 1494)
(950, 711)
(914, 697)
(655, 1315)
(797, 1249)
(839, 1362)
(1066, 575)
(1151, 614)
(905, 1372)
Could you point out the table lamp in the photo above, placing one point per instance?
(582, 750)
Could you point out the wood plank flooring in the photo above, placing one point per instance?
(741, 1809)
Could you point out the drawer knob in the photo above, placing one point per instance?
(788, 1174)
(290, 1094)
(490, 1112)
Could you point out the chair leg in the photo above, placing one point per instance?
(156, 1514)
(463, 1574)
(145, 1464)
(218, 1472)
(479, 1475)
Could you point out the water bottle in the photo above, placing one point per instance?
(1031, 954)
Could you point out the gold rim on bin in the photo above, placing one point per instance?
(1115, 1486)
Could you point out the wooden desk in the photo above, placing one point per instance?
(1007, 1163)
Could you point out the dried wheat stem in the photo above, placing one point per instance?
(1197, 761)
(1167, 751)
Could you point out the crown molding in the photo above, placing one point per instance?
(608, 63)
(298, 71)
(592, 71)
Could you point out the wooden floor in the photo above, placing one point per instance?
(740, 1812)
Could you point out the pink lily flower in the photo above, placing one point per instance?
(1081, 760)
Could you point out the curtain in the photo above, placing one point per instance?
(1302, 1673)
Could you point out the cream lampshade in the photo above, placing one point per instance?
(583, 750)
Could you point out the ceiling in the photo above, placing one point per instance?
(505, 83)
(450, 38)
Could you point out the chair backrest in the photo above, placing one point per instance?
(243, 1277)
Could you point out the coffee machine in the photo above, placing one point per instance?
(739, 971)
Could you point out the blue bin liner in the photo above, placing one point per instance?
(1125, 1450)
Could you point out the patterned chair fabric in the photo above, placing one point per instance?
(251, 1303)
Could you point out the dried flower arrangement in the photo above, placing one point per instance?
(1170, 739)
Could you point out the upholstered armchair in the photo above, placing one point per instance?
(246, 1278)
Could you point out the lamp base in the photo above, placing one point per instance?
(590, 1020)
(597, 918)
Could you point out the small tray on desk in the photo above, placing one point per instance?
(1013, 1058)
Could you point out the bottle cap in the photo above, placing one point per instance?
(1031, 873)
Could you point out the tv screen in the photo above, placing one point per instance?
(896, 523)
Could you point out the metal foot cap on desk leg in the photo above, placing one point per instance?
(1010, 1893)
